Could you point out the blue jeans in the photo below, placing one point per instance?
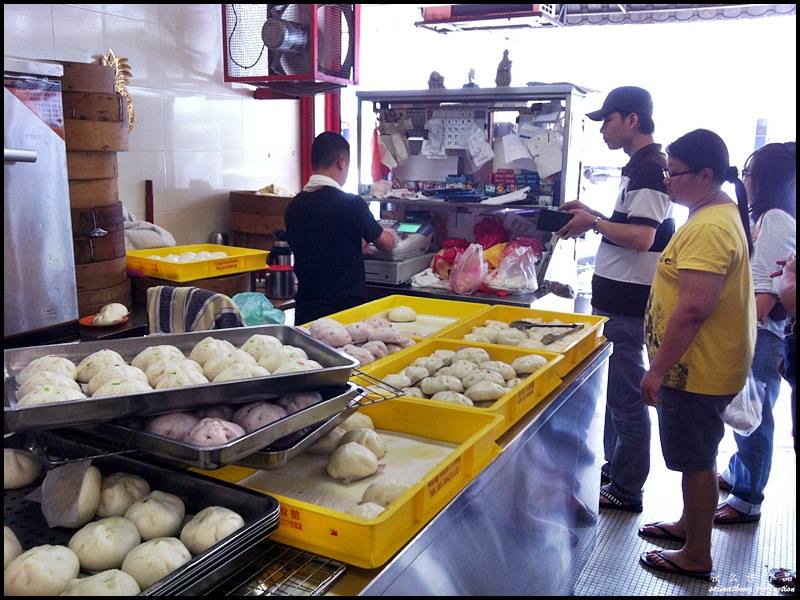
(626, 438)
(748, 469)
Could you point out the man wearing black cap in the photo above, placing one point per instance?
(633, 238)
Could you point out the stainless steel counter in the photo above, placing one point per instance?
(527, 523)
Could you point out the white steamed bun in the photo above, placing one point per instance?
(208, 527)
(104, 544)
(41, 571)
(154, 560)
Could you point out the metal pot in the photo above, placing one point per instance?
(217, 237)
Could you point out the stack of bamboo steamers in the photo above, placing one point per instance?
(96, 124)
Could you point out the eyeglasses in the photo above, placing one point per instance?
(668, 175)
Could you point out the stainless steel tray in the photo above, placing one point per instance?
(260, 512)
(281, 452)
(337, 370)
(115, 436)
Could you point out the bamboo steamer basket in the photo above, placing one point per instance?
(91, 165)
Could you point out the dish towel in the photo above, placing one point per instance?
(183, 309)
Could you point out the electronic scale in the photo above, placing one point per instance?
(405, 260)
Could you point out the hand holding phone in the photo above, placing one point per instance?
(553, 220)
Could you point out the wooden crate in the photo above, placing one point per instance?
(254, 218)
(91, 165)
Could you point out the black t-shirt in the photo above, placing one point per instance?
(325, 228)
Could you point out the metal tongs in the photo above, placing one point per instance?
(548, 338)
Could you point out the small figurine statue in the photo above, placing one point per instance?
(471, 83)
(503, 78)
(435, 81)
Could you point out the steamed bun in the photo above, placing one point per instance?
(103, 544)
(506, 370)
(376, 348)
(257, 415)
(431, 363)
(11, 546)
(258, 345)
(96, 362)
(43, 378)
(328, 443)
(20, 468)
(172, 425)
(41, 571)
(452, 398)
(483, 375)
(153, 354)
(208, 527)
(272, 361)
(119, 387)
(359, 332)
(154, 560)
(158, 369)
(475, 355)
(351, 462)
(213, 432)
(334, 335)
(118, 492)
(364, 357)
(440, 383)
(297, 365)
(531, 363)
(402, 314)
(215, 412)
(209, 348)
(446, 356)
(485, 391)
(47, 394)
(357, 420)
(118, 372)
(108, 583)
(367, 438)
(179, 377)
(293, 403)
(459, 369)
(158, 514)
(52, 363)
(384, 492)
(215, 366)
(415, 373)
(240, 371)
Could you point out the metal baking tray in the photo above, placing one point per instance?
(281, 452)
(337, 370)
(260, 512)
(115, 436)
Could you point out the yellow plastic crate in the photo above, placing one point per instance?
(452, 309)
(239, 260)
(370, 544)
(574, 353)
(512, 406)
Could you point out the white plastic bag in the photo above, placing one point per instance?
(468, 271)
(743, 414)
(516, 273)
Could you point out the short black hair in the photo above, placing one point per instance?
(646, 124)
(327, 148)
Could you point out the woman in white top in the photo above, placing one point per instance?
(770, 178)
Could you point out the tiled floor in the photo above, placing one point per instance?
(742, 554)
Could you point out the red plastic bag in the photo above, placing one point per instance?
(524, 242)
(517, 272)
(455, 243)
(490, 231)
(468, 271)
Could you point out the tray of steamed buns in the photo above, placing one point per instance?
(68, 384)
(118, 526)
(211, 438)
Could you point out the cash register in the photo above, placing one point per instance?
(408, 258)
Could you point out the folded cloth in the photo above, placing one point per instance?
(181, 309)
(142, 234)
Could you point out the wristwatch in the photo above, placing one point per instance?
(595, 222)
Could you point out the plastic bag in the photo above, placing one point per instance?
(257, 310)
(525, 242)
(743, 414)
(490, 231)
(517, 272)
(468, 271)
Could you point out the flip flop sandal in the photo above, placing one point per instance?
(670, 567)
(783, 577)
(604, 478)
(739, 517)
(617, 504)
(662, 533)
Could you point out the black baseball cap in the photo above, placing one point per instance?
(626, 100)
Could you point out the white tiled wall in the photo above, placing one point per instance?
(196, 136)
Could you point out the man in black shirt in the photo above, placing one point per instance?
(327, 230)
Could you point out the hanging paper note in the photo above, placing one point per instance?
(478, 149)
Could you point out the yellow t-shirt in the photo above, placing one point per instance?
(719, 357)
